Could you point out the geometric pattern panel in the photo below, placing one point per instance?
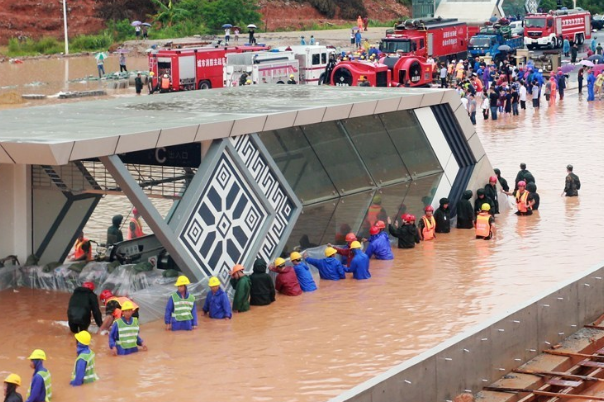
(272, 189)
(225, 221)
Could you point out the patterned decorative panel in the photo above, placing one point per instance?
(277, 196)
(226, 221)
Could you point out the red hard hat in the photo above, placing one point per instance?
(88, 285)
(374, 230)
(134, 211)
(493, 179)
(429, 208)
(380, 225)
(411, 218)
(521, 183)
(350, 237)
(105, 295)
(405, 217)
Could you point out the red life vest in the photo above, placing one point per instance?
(522, 201)
(79, 251)
(483, 228)
(429, 226)
(138, 231)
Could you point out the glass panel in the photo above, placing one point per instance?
(338, 156)
(411, 143)
(420, 194)
(388, 202)
(376, 148)
(311, 226)
(348, 217)
(298, 163)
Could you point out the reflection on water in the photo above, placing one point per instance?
(311, 347)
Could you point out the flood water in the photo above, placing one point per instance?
(315, 346)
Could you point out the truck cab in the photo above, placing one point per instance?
(403, 46)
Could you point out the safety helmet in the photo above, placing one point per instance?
(295, 256)
(127, 306)
(374, 230)
(350, 237)
(411, 218)
(105, 295)
(429, 208)
(493, 179)
(236, 269)
(279, 262)
(485, 207)
(165, 75)
(134, 210)
(151, 74)
(248, 82)
(522, 183)
(329, 251)
(37, 354)
(13, 379)
(355, 244)
(380, 225)
(182, 281)
(405, 217)
(291, 76)
(83, 337)
(213, 281)
(88, 285)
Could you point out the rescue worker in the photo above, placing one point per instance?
(481, 198)
(262, 291)
(286, 282)
(114, 233)
(242, 79)
(83, 305)
(113, 309)
(242, 285)
(124, 338)
(485, 223)
(375, 213)
(135, 228)
(292, 80)
(82, 251)
(407, 233)
(217, 303)
(490, 191)
(362, 82)
(305, 279)
(359, 266)
(40, 389)
(572, 184)
(164, 84)
(83, 370)
(11, 382)
(181, 310)
(345, 252)
(427, 225)
(524, 175)
(465, 211)
(524, 201)
(532, 189)
(379, 245)
(329, 268)
(502, 182)
(442, 216)
(150, 87)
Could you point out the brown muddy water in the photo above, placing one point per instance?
(315, 346)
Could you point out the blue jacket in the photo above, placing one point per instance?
(218, 305)
(379, 245)
(359, 266)
(37, 388)
(114, 337)
(80, 368)
(329, 268)
(305, 279)
(180, 325)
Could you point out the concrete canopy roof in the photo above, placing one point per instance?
(57, 134)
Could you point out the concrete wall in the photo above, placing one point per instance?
(15, 207)
(480, 356)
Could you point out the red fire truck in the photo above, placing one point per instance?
(437, 37)
(394, 72)
(550, 29)
(193, 68)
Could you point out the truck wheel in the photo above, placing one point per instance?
(552, 44)
(342, 77)
(204, 85)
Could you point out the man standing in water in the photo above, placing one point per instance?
(524, 200)
(40, 389)
(82, 305)
(572, 184)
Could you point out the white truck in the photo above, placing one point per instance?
(260, 67)
(313, 59)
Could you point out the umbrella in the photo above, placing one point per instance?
(504, 48)
(135, 23)
(252, 26)
(146, 24)
(567, 68)
(235, 27)
(586, 63)
(598, 69)
(595, 57)
(227, 26)
(100, 56)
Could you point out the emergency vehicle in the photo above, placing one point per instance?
(437, 37)
(550, 29)
(392, 71)
(193, 68)
(272, 67)
(312, 61)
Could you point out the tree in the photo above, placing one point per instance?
(168, 14)
(237, 12)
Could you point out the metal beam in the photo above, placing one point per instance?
(160, 228)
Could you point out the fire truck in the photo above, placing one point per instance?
(437, 37)
(550, 29)
(193, 68)
(391, 72)
(313, 60)
(272, 67)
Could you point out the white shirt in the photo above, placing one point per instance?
(522, 93)
(464, 102)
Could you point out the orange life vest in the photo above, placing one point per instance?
(522, 201)
(483, 228)
(117, 313)
(165, 83)
(429, 226)
(373, 213)
(138, 230)
(79, 251)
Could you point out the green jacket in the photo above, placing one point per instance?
(242, 286)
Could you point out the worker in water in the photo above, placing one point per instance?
(83, 370)
(363, 82)
(242, 285)
(532, 189)
(427, 225)
(375, 213)
(286, 282)
(345, 251)
(305, 279)
(490, 191)
(181, 310)
(113, 309)
(572, 184)
(330, 268)
(406, 233)
(11, 382)
(524, 175)
(442, 216)
(124, 338)
(292, 80)
(82, 250)
(83, 305)
(379, 245)
(465, 211)
(164, 84)
(481, 198)
(359, 266)
(114, 232)
(217, 303)
(135, 228)
(524, 200)
(485, 223)
(502, 182)
(262, 291)
(40, 389)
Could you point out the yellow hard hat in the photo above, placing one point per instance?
(13, 379)
(152, 74)
(355, 244)
(485, 207)
(291, 76)
(127, 306)
(182, 281)
(37, 354)
(84, 337)
(279, 261)
(329, 251)
(295, 256)
(213, 281)
(248, 82)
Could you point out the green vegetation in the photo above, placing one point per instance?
(593, 6)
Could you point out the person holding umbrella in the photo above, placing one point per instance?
(251, 32)
(236, 33)
(145, 26)
(137, 28)
(227, 33)
(591, 81)
(100, 63)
